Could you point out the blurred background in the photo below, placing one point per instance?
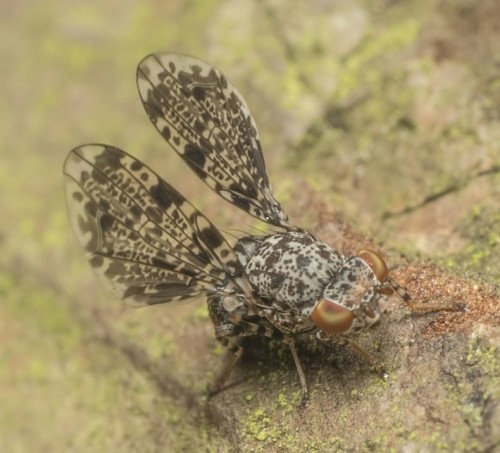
(386, 112)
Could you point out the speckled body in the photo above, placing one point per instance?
(150, 245)
(291, 269)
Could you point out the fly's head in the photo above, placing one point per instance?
(355, 297)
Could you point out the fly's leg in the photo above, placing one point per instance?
(353, 346)
(230, 327)
(303, 383)
(419, 307)
(230, 335)
(233, 353)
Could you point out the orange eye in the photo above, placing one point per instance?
(376, 263)
(331, 317)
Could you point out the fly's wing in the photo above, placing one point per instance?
(208, 123)
(144, 240)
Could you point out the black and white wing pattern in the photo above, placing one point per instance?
(208, 123)
(144, 240)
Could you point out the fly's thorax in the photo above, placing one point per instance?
(290, 269)
(355, 297)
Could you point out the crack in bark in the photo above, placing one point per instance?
(453, 187)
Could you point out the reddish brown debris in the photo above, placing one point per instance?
(429, 283)
(425, 282)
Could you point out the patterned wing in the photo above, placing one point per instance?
(207, 121)
(144, 240)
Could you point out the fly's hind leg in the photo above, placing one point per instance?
(230, 328)
(230, 335)
(233, 353)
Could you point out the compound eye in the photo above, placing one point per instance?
(331, 317)
(376, 263)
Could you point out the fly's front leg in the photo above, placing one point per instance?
(379, 368)
(353, 346)
(420, 307)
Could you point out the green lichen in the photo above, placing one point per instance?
(359, 71)
(471, 389)
(257, 425)
(480, 229)
(486, 358)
